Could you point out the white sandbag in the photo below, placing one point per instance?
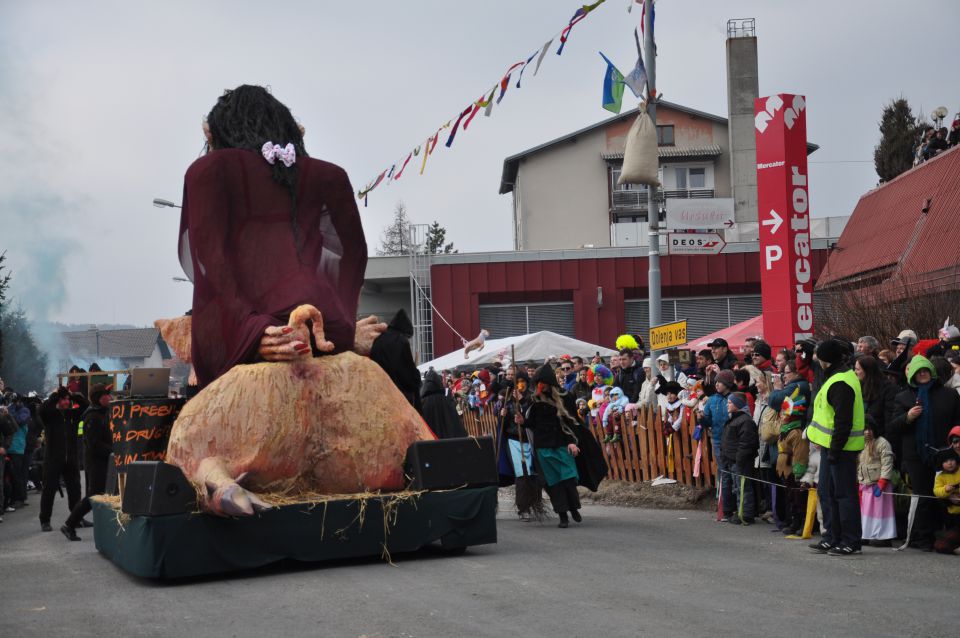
(640, 159)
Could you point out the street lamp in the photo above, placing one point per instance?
(164, 203)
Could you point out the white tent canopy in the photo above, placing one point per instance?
(536, 346)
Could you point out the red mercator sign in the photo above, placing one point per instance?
(786, 279)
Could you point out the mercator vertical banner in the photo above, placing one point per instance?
(786, 278)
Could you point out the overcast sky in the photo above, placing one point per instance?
(101, 106)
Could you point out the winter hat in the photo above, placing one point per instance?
(954, 431)
(832, 351)
(763, 349)
(794, 407)
(906, 338)
(669, 387)
(665, 358)
(484, 376)
(726, 378)
(647, 363)
(738, 399)
(947, 454)
(616, 394)
(917, 363)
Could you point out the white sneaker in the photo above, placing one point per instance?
(10, 509)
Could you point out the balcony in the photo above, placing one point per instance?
(636, 200)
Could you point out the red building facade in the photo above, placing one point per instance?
(599, 289)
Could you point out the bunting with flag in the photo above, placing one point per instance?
(612, 87)
(489, 97)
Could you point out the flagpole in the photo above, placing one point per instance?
(653, 208)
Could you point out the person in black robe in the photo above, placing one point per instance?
(438, 409)
(391, 351)
(98, 445)
(60, 419)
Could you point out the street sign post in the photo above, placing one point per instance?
(695, 243)
(714, 213)
(669, 335)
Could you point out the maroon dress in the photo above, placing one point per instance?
(237, 246)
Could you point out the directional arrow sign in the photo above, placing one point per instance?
(699, 214)
(774, 222)
(695, 243)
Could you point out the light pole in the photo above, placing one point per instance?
(653, 207)
(164, 203)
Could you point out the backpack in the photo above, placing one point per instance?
(770, 425)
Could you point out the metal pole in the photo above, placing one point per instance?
(653, 208)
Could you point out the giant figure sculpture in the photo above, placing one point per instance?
(273, 243)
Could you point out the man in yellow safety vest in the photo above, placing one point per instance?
(837, 427)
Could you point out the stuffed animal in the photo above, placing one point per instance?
(475, 344)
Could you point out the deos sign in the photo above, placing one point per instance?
(786, 276)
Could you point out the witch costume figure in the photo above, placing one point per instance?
(557, 436)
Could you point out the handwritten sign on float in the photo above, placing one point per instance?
(141, 429)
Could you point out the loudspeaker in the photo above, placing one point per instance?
(448, 463)
(154, 488)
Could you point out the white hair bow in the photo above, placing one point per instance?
(286, 154)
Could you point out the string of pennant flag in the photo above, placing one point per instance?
(485, 102)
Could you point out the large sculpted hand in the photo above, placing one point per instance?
(368, 329)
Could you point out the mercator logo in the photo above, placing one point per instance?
(774, 103)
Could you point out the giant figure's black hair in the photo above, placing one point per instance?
(248, 116)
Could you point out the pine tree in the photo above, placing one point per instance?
(395, 239)
(436, 235)
(25, 365)
(898, 135)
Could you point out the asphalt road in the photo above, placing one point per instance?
(622, 572)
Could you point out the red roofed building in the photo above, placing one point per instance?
(902, 238)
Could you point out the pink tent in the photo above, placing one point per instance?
(735, 335)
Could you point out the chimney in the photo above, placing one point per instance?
(742, 89)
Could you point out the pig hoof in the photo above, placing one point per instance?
(233, 500)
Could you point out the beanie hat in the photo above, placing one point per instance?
(98, 391)
(726, 378)
(832, 351)
(763, 349)
(947, 454)
(738, 399)
(647, 363)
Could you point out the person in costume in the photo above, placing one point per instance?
(392, 352)
(793, 458)
(98, 445)
(439, 410)
(511, 451)
(615, 408)
(265, 228)
(555, 444)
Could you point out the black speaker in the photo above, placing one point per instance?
(448, 463)
(154, 488)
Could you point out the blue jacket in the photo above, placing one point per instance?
(715, 417)
(19, 443)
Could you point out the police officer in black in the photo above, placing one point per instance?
(97, 446)
(60, 414)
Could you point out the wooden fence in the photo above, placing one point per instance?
(642, 452)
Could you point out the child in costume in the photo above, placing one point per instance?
(947, 486)
(611, 416)
(875, 475)
(792, 460)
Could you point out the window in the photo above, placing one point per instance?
(665, 134)
(615, 175)
(690, 178)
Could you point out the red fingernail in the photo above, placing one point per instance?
(287, 330)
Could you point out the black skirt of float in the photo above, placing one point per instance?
(189, 545)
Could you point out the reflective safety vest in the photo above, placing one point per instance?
(820, 430)
(80, 428)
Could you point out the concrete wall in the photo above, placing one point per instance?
(742, 88)
(564, 195)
